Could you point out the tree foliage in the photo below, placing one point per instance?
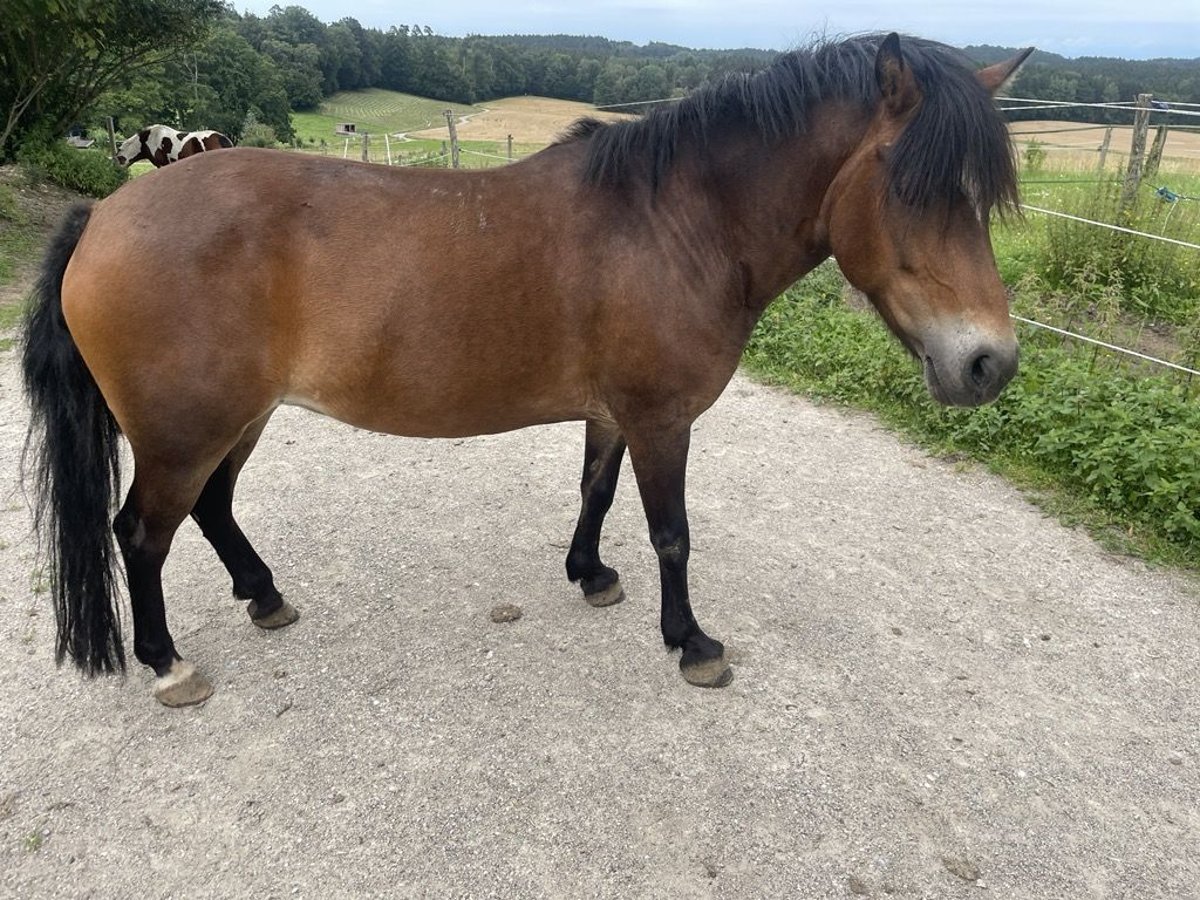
(58, 56)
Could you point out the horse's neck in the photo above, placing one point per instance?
(771, 198)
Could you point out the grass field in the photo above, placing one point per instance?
(375, 111)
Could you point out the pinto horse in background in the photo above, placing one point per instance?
(615, 277)
(162, 144)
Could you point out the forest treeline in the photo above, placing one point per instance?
(201, 64)
(288, 60)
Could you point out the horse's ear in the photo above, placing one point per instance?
(897, 85)
(995, 77)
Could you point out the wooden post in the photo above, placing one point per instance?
(510, 148)
(453, 138)
(112, 136)
(387, 146)
(1137, 149)
(1156, 152)
(366, 147)
(1104, 148)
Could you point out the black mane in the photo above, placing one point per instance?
(956, 143)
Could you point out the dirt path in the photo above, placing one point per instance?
(938, 689)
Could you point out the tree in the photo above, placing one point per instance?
(300, 66)
(58, 56)
(234, 80)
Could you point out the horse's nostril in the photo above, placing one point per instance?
(983, 370)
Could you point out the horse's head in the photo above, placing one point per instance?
(134, 148)
(907, 218)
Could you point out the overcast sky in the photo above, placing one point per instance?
(1138, 30)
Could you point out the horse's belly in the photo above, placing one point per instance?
(449, 410)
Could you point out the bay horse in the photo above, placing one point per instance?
(162, 144)
(614, 277)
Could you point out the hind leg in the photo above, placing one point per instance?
(213, 512)
(604, 448)
(158, 501)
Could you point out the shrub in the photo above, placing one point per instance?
(256, 133)
(88, 171)
(1154, 279)
(1035, 156)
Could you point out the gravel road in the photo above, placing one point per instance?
(938, 690)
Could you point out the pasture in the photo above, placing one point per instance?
(418, 127)
(375, 111)
(1073, 147)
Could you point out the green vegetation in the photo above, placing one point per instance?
(18, 241)
(1107, 269)
(57, 57)
(19, 244)
(89, 171)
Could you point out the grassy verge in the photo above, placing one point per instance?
(18, 239)
(20, 243)
(1096, 446)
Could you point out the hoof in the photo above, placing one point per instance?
(283, 616)
(711, 673)
(610, 596)
(182, 686)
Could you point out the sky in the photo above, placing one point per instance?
(1140, 30)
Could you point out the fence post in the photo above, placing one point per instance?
(453, 138)
(1156, 151)
(1104, 148)
(1137, 150)
(112, 136)
(510, 148)
(366, 156)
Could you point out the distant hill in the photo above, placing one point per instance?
(600, 46)
(987, 54)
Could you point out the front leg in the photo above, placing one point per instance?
(659, 458)
(604, 449)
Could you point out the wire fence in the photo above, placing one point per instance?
(1159, 113)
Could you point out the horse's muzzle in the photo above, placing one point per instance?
(970, 376)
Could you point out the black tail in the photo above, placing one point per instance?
(76, 470)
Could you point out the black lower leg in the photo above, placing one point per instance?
(213, 512)
(660, 466)
(604, 449)
(144, 554)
